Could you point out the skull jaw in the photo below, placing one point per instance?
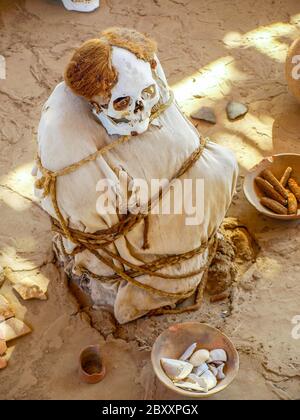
(123, 128)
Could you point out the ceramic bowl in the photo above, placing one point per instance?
(277, 164)
(177, 338)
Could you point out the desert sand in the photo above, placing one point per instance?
(212, 52)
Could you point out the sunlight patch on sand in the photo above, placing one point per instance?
(211, 81)
(265, 39)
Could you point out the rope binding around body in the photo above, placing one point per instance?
(99, 240)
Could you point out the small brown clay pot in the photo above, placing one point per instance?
(91, 368)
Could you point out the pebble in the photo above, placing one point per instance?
(205, 114)
(235, 110)
(3, 363)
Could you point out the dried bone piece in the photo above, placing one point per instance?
(274, 206)
(286, 176)
(13, 328)
(268, 189)
(295, 188)
(6, 310)
(267, 174)
(292, 203)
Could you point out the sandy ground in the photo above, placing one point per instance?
(218, 50)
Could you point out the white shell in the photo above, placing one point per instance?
(220, 374)
(199, 357)
(207, 380)
(176, 369)
(189, 351)
(199, 370)
(215, 363)
(218, 355)
(190, 386)
(214, 370)
(194, 379)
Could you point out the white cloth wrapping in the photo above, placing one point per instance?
(68, 132)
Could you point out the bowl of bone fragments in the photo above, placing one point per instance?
(273, 186)
(185, 359)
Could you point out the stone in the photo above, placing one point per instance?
(3, 363)
(3, 347)
(13, 328)
(205, 113)
(235, 110)
(6, 311)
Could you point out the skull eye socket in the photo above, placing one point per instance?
(120, 104)
(149, 92)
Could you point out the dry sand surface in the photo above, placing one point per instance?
(214, 49)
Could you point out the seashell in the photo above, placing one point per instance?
(190, 386)
(207, 380)
(176, 369)
(199, 357)
(189, 351)
(214, 370)
(220, 372)
(199, 370)
(218, 355)
(13, 328)
(216, 363)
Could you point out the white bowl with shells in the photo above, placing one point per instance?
(194, 360)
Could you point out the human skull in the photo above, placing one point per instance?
(132, 98)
